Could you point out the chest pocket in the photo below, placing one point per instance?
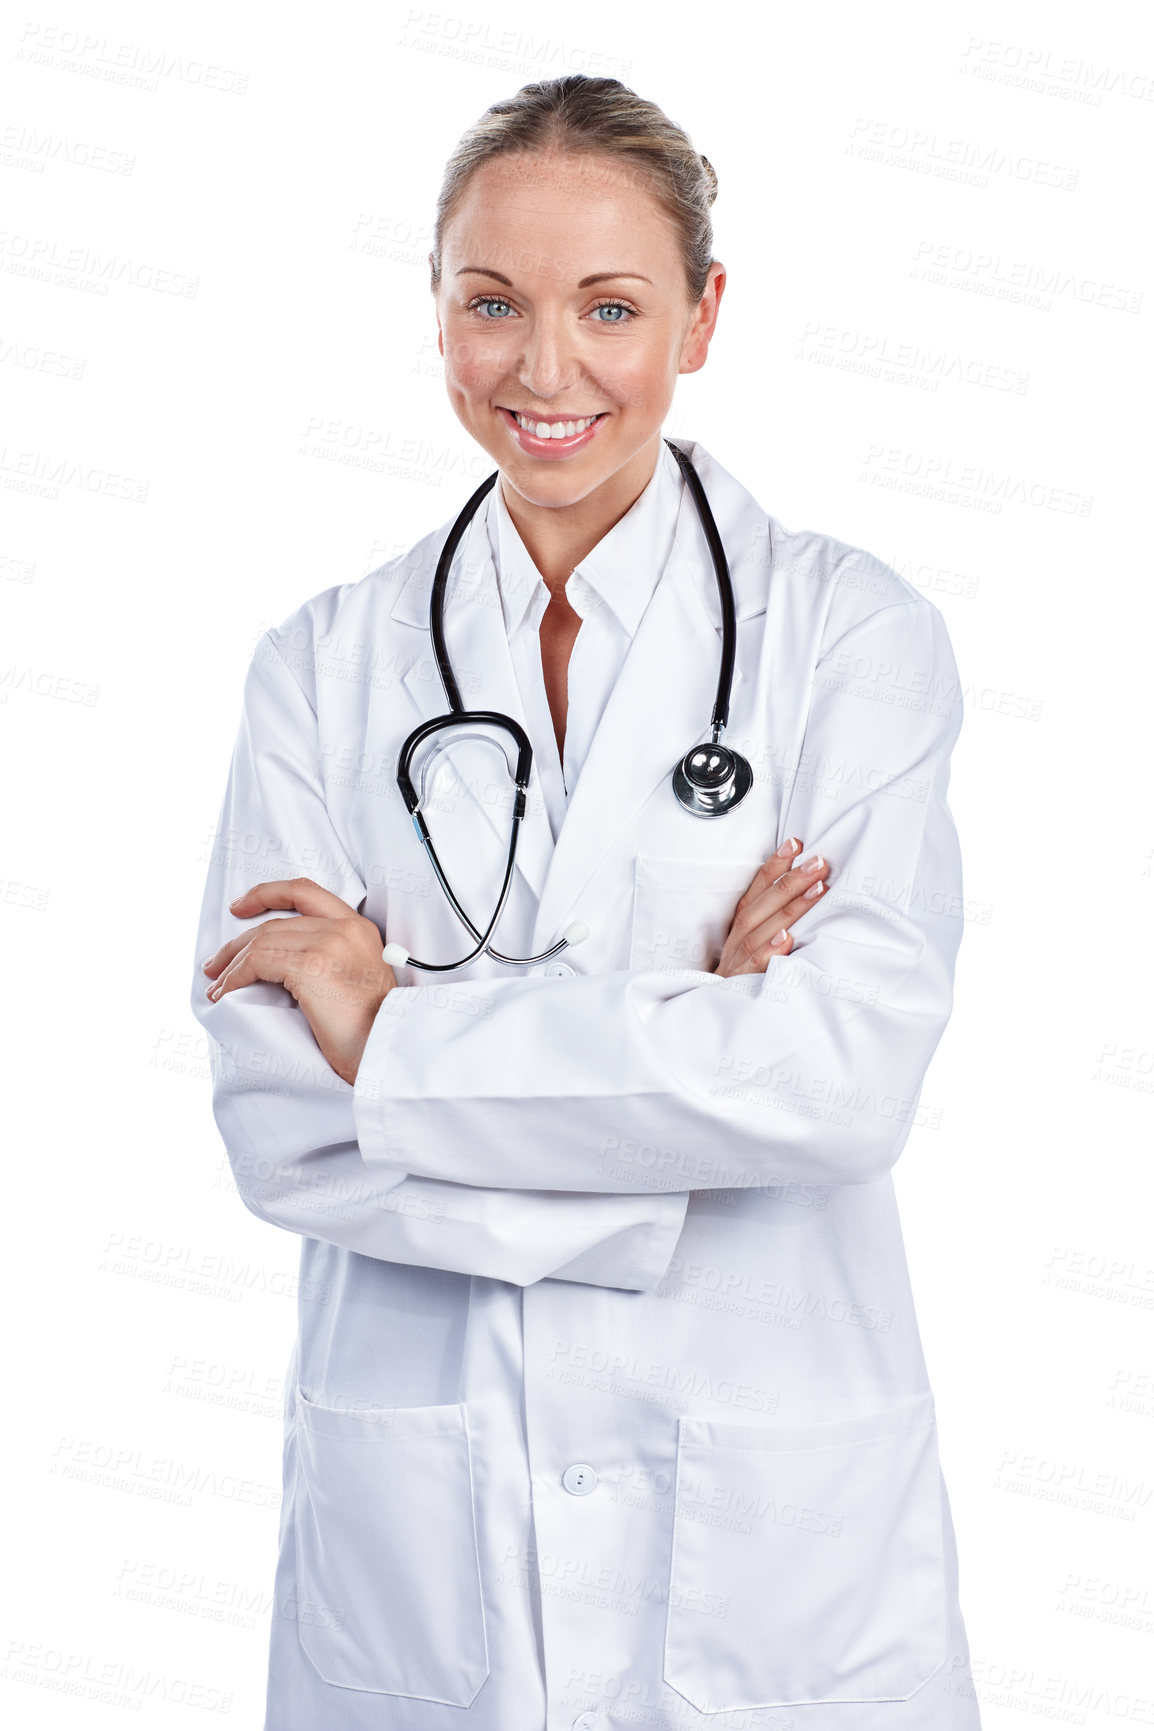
(824, 1543)
(683, 909)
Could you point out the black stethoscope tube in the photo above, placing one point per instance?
(708, 781)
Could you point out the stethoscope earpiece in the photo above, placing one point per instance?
(711, 779)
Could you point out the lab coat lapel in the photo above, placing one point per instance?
(479, 651)
(660, 706)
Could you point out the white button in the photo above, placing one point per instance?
(559, 971)
(588, 1722)
(579, 1479)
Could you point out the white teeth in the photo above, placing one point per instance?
(558, 430)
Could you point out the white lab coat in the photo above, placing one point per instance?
(608, 1406)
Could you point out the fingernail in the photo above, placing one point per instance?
(813, 890)
(207, 962)
(812, 863)
(788, 847)
(780, 938)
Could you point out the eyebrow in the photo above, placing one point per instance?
(586, 281)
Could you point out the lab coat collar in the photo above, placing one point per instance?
(622, 569)
(669, 676)
(743, 524)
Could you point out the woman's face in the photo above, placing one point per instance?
(525, 333)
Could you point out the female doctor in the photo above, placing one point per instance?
(608, 1406)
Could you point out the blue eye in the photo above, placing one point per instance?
(481, 301)
(488, 301)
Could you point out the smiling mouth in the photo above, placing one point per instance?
(555, 426)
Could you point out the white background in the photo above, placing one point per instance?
(934, 344)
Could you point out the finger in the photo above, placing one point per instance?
(767, 934)
(776, 870)
(762, 937)
(757, 961)
(248, 970)
(776, 889)
(301, 894)
(263, 956)
(773, 867)
(803, 889)
(215, 963)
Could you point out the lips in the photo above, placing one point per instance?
(554, 420)
(550, 445)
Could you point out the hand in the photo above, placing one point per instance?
(761, 920)
(330, 960)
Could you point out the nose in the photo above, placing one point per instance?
(548, 367)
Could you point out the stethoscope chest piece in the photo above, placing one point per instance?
(711, 779)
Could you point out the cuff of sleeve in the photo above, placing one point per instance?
(655, 1239)
(634, 1256)
(371, 1089)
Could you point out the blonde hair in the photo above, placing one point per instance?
(579, 116)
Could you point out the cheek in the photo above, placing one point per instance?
(638, 380)
(471, 364)
(463, 377)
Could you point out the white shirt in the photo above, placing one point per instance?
(610, 588)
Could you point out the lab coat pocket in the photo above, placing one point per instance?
(386, 1540)
(817, 1551)
(683, 909)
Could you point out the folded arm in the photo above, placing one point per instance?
(288, 1121)
(643, 1083)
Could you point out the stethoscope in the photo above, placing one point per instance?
(709, 780)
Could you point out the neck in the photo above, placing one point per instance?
(558, 537)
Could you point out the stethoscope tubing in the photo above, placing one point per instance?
(458, 713)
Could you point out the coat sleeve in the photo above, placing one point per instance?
(287, 1119)
(646, 1081)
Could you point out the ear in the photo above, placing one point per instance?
(695, 348)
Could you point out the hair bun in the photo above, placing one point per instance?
(710, 177)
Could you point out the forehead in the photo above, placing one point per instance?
(581, 197)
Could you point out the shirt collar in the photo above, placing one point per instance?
(621, 571)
